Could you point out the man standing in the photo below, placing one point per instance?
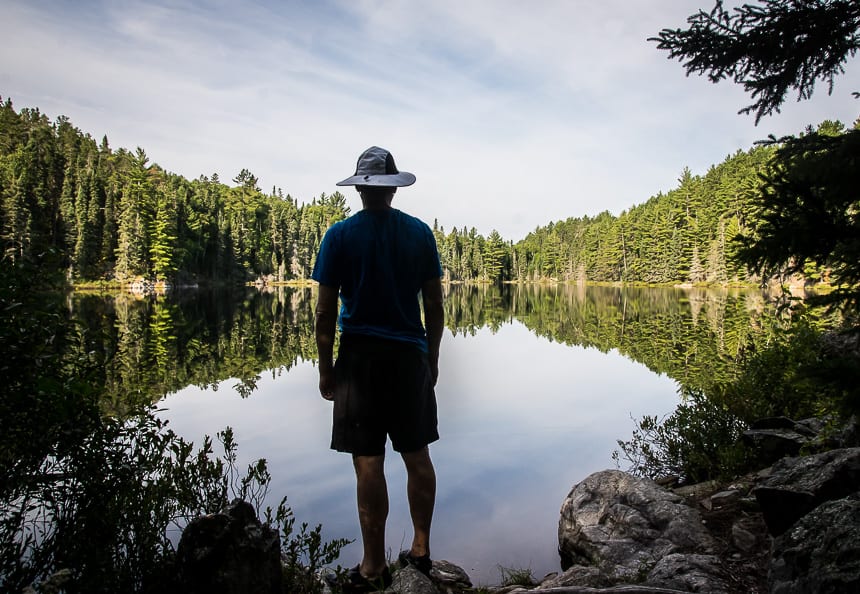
(380, 261)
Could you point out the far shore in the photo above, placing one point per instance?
(162, 287)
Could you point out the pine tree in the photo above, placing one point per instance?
(769, 48)
(162, 238)
(809, 197)
(132, 248)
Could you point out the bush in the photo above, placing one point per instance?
(89, 502)
(697, 442)
(803, 371)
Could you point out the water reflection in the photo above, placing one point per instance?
(515, 437)
(151, 347)
(536, 384)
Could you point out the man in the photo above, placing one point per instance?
(379, 261)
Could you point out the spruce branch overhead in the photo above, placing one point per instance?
(771, 47)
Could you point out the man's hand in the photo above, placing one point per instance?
(434, 370)
(434, 320)
(327, 384)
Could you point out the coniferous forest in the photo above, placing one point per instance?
(74, 205)
(70, 203)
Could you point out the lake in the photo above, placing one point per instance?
(536, 385)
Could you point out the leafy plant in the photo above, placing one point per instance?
(92, 502)
(805, 369)
(303, 551)
(697, 442)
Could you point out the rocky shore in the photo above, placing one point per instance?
(791, 527)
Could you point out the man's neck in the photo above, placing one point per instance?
(377, 206)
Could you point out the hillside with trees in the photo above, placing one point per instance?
(76, 206)
(72, 204)
(686, 235)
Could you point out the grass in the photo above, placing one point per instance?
(517, 577)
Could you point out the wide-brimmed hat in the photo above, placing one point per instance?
(376, 167)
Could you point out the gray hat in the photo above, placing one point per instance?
(376, 167)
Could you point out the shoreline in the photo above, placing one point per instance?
(161, 287)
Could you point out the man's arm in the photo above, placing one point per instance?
(434, 320)
(326, 320)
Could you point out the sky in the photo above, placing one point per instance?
(511, 114)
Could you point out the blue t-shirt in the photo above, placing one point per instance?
(379, 259)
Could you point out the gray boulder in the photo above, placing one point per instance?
(444, 578)
(821, 552)
(411, 581)
(796, 486)
(578, 575)
(450, 578)
(624, 525)
(690, 573)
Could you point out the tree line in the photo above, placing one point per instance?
(687, 235)
(74, 205)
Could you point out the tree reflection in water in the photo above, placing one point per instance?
(78, 466)
(151, 347)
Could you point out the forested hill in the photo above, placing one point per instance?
(72, 204)
(687, 235)
(682, 236)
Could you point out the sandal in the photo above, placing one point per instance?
(422, 563)
(352, 582)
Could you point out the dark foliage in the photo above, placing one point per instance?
(810, 212)
(769, 47)
(699, 441)
(92, 502)
(807, 208)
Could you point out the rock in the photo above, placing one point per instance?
(690, 573)
(749, 504)
(725, 498)
(847, 436)
(769, 445)
(624, 525)
(577, 575)
(743, 539)
(797, 485)
(668, 481)
(411, 581)
(230, 552)
(53, 584)
(449, 577)
(696, 490)
(821, 552)
(814, 425)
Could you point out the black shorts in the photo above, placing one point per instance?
(384, 388)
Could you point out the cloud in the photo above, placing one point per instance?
(511, 114)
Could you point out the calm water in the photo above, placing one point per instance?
(535, 387)
(521, 420)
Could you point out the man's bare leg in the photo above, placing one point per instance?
(372, 495)
(421, 490)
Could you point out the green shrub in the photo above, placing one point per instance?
(806, 369)
(698, 441)
(92, 502)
